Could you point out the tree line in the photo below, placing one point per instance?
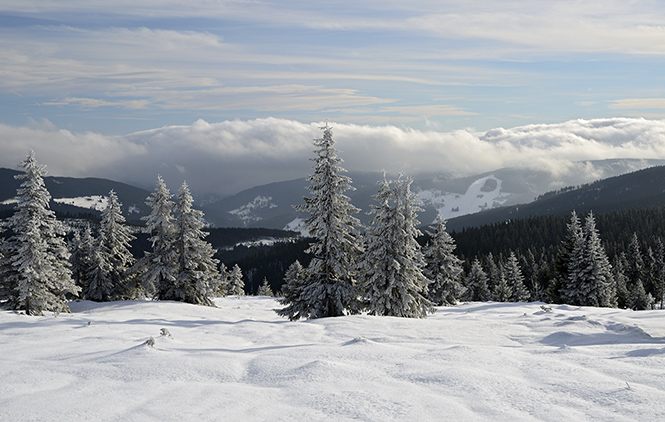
(40, 272)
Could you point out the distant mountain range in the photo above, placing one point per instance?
(74, 196)
(272, 205)
(470, 201)
(640, 189)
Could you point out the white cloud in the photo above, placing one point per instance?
(229, 156)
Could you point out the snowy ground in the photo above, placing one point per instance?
(479, 361)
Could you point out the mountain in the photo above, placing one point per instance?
(74, 196)
(272, 205)
(640, 189)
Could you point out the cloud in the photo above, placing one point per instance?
(229, 156)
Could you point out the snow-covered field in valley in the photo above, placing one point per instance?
(241, 362)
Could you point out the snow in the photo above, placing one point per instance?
(298, 225)
(476, 361)
(477, 198)
(246, 212)
(9, 201)
(93, 202)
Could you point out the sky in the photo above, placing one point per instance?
(91, 85)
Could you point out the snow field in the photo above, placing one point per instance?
(477, 361)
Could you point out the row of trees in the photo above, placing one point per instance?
(39, 273)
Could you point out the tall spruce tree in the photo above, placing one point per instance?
(329, 285)
(197, 277)
(35, 263)
(159, 267)
(110, 278)
(443, 268)
(393, 280)
(590, 280)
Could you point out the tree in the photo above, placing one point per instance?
(159, 268)
(639, 299)
(443, 268)
(590, 280)
(236, 287)
(265, 289)
(36, 265)
(197, 277)
(515, 279)
(502, 291)
(393, 281)
(329, 280)
(113, 259)
(476, 284)
(292, 297)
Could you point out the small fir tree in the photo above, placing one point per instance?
(639, 299)
(502, 291)
(443, 268)
(476, 284)
(515, 279)
(236, 286)
(265, 289)
(35, 267)
(292, 297)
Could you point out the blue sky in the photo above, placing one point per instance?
(111, 69)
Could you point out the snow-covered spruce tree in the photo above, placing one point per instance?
(476, 284)
(443, 268)
(639, 299)
(36, 266)
(502, 291)
(515, 279)
(112, 280)
(236, 286)
(329, 281)
(158, 268)
(393, 282)
(197, 277)
(292, 297)
(265, 289)
(590, 280)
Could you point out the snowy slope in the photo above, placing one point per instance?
(473, 362)
(484, 193)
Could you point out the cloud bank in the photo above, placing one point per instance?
(226, 157)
